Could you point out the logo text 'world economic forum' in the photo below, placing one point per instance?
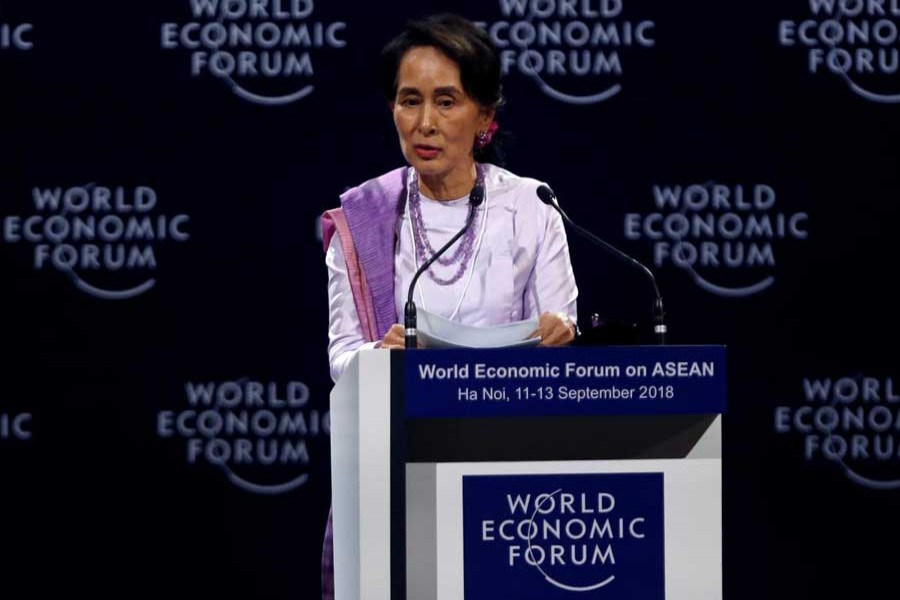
(262, 49)
(854, 40)
(573, 49)
(549, 537)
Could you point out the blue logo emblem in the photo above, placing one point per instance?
(548, 537)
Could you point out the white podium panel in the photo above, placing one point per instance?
(529, 474)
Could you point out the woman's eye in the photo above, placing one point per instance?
(409, 102)
(445, 102)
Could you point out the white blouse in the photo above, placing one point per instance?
(520, 266)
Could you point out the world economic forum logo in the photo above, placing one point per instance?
(262, 49)
(851, 422)
(549, 537)
(855, 40)
(723, 236)
(258, 432)
(104, 238)
(573, 49)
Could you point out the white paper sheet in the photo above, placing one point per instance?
(435, 331)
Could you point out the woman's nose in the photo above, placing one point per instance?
(426, 120)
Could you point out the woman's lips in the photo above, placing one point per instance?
(427, 151)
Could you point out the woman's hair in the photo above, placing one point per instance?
(465, 44)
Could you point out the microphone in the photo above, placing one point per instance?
(659, 326)
(476, 197)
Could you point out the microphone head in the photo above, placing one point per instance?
(546, 195)
(476, 196)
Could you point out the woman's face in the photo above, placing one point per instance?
(436, 120)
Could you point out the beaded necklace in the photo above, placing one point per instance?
(424, 249)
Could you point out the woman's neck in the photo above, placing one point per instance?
(448, 186)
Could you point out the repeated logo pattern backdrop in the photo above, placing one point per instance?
(164, 415)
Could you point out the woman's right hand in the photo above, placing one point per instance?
(394, 338)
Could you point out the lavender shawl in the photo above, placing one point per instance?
(365, 223)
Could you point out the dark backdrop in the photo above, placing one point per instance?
(101, 492)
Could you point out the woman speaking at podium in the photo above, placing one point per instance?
(441, 79)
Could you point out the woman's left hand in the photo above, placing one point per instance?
(555, 329)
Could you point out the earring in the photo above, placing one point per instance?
(484, 137)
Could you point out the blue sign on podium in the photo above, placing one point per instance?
(566, 381)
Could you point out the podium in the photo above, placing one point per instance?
(569, 473)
